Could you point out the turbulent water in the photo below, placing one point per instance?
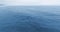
(30, 19)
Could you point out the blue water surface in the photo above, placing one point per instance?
(30, 19)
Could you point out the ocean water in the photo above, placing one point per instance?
(30, 19)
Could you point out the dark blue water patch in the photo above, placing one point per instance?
(12, 21)
(17, 22)
(42, 29)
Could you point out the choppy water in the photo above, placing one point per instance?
(30, 19)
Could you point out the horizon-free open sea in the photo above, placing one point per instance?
(30, 19)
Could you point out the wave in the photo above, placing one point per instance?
(28, 19)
